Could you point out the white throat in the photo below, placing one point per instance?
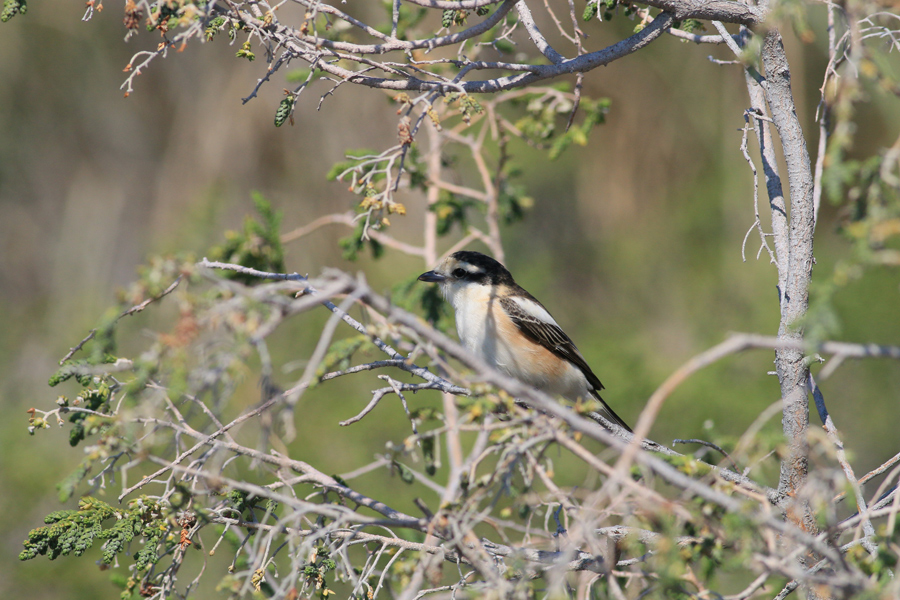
(472, 304)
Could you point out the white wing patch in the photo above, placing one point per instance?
(533, 309)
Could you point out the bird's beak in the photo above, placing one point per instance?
(432, 277)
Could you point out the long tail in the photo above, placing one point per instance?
(610, 414)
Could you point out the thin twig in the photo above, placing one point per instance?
(709, 445)
(134, 309)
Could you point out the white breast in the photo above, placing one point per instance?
(472, 304)
(482, 326)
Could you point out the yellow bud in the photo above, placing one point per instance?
(868, 68)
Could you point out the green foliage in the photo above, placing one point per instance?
(258, 246)
(822, 320)
(340, 353)
(367, 172)
(869, 195)
(478, 406)
(406, 475)
(285, 108)
(213, 27)
(608, 6)
(66, 488)
(74, 531)
(407, 18)
(12, 8)
(354, 160)
(544, 116)
(795, 13)
(690, 25)
(297, 75)
(271, 506)
(415, 165)
(593, 8)
(503, 46)
(241, 501)
(467, 105)
(879, 565)
(162, 13)
(750, 54)
(95, 397)
(314, 571)
(428, 454)
(426, 300)
(513, 200)
(870, 190)
(688, 465)
(78, 369)
(452, 16)
(246, 52)
(354, 243)
(451, 210)
(718, 539)
(96, 400)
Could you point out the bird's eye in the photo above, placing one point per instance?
(459, 273)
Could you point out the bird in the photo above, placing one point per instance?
(500, 322)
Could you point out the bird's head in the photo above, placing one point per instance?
(465, 269)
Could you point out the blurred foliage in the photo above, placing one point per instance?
(545, 113)
(467, 105)
(451, 210)
(407, 18)
(426, 300)
(12, 8)
(258, 246)
(865, 188)
(357, 241)
(628, 326)
(592, 9)
(341, 352)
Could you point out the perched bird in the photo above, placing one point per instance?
(508, 328)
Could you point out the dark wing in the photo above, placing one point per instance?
(549, 336)
(555, 340)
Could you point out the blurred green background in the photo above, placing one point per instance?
(634, 242)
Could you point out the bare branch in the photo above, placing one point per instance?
(727, 11)
(134, 309)
(536, 36)
(792, 371)
(384, 347)
(831, 430)
(309, 51)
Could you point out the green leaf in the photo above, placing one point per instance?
(285, 107)
(406, 475)
(428, 454)
(12, 8)
(340, 353)
(257, 246)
